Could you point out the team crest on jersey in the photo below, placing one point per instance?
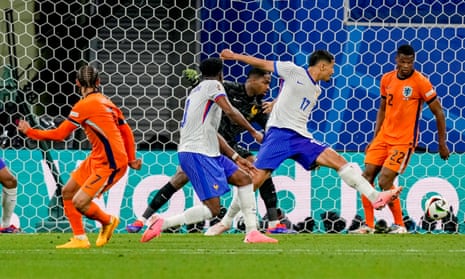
(216, 186)
(407, 92)
(253, 112)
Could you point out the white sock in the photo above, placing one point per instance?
(354, 179)
(248, 205)
(190, 216)
(8, 205)
(233, 209)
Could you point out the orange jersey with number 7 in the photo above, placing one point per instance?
(404, 104)
(111, 137)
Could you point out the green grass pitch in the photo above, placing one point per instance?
(226, 256)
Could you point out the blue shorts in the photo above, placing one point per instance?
(2, 164)
(208, 175)
(281, 144)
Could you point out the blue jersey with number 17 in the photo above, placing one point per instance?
(296, 99)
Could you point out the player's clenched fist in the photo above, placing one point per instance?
(136, 164)
(227, 54)
(23, 126)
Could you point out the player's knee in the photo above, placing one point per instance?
(243, 179)
(330, 158)
(81, 202)
(260, 177)
(79, 205)
(240, 178)
(68, 193)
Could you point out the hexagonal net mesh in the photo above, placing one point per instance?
(141, 49)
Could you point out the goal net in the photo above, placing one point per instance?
(141, 49)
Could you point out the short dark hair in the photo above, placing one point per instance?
(211, 67)
(406, 50)
(257, 72)
(320, 55)
(87, 76)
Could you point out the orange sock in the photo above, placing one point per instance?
(369, 212)
(95, 213)
(74, 217)
(396, 212)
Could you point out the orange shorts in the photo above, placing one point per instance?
(392, 156)
(95, 178)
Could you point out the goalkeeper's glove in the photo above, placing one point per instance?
(192, 76)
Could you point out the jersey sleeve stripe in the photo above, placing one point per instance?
(432, 100)
(206, 110)
(74, 122)
(429, 93)
(220, 95)
(121, 121)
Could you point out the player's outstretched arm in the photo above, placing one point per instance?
(267, 65)
(58, 134)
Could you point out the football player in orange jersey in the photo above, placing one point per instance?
(113, 150)
(403, 93)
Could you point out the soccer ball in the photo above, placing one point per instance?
(436, 207)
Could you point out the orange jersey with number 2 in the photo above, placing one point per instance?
(404, 103)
